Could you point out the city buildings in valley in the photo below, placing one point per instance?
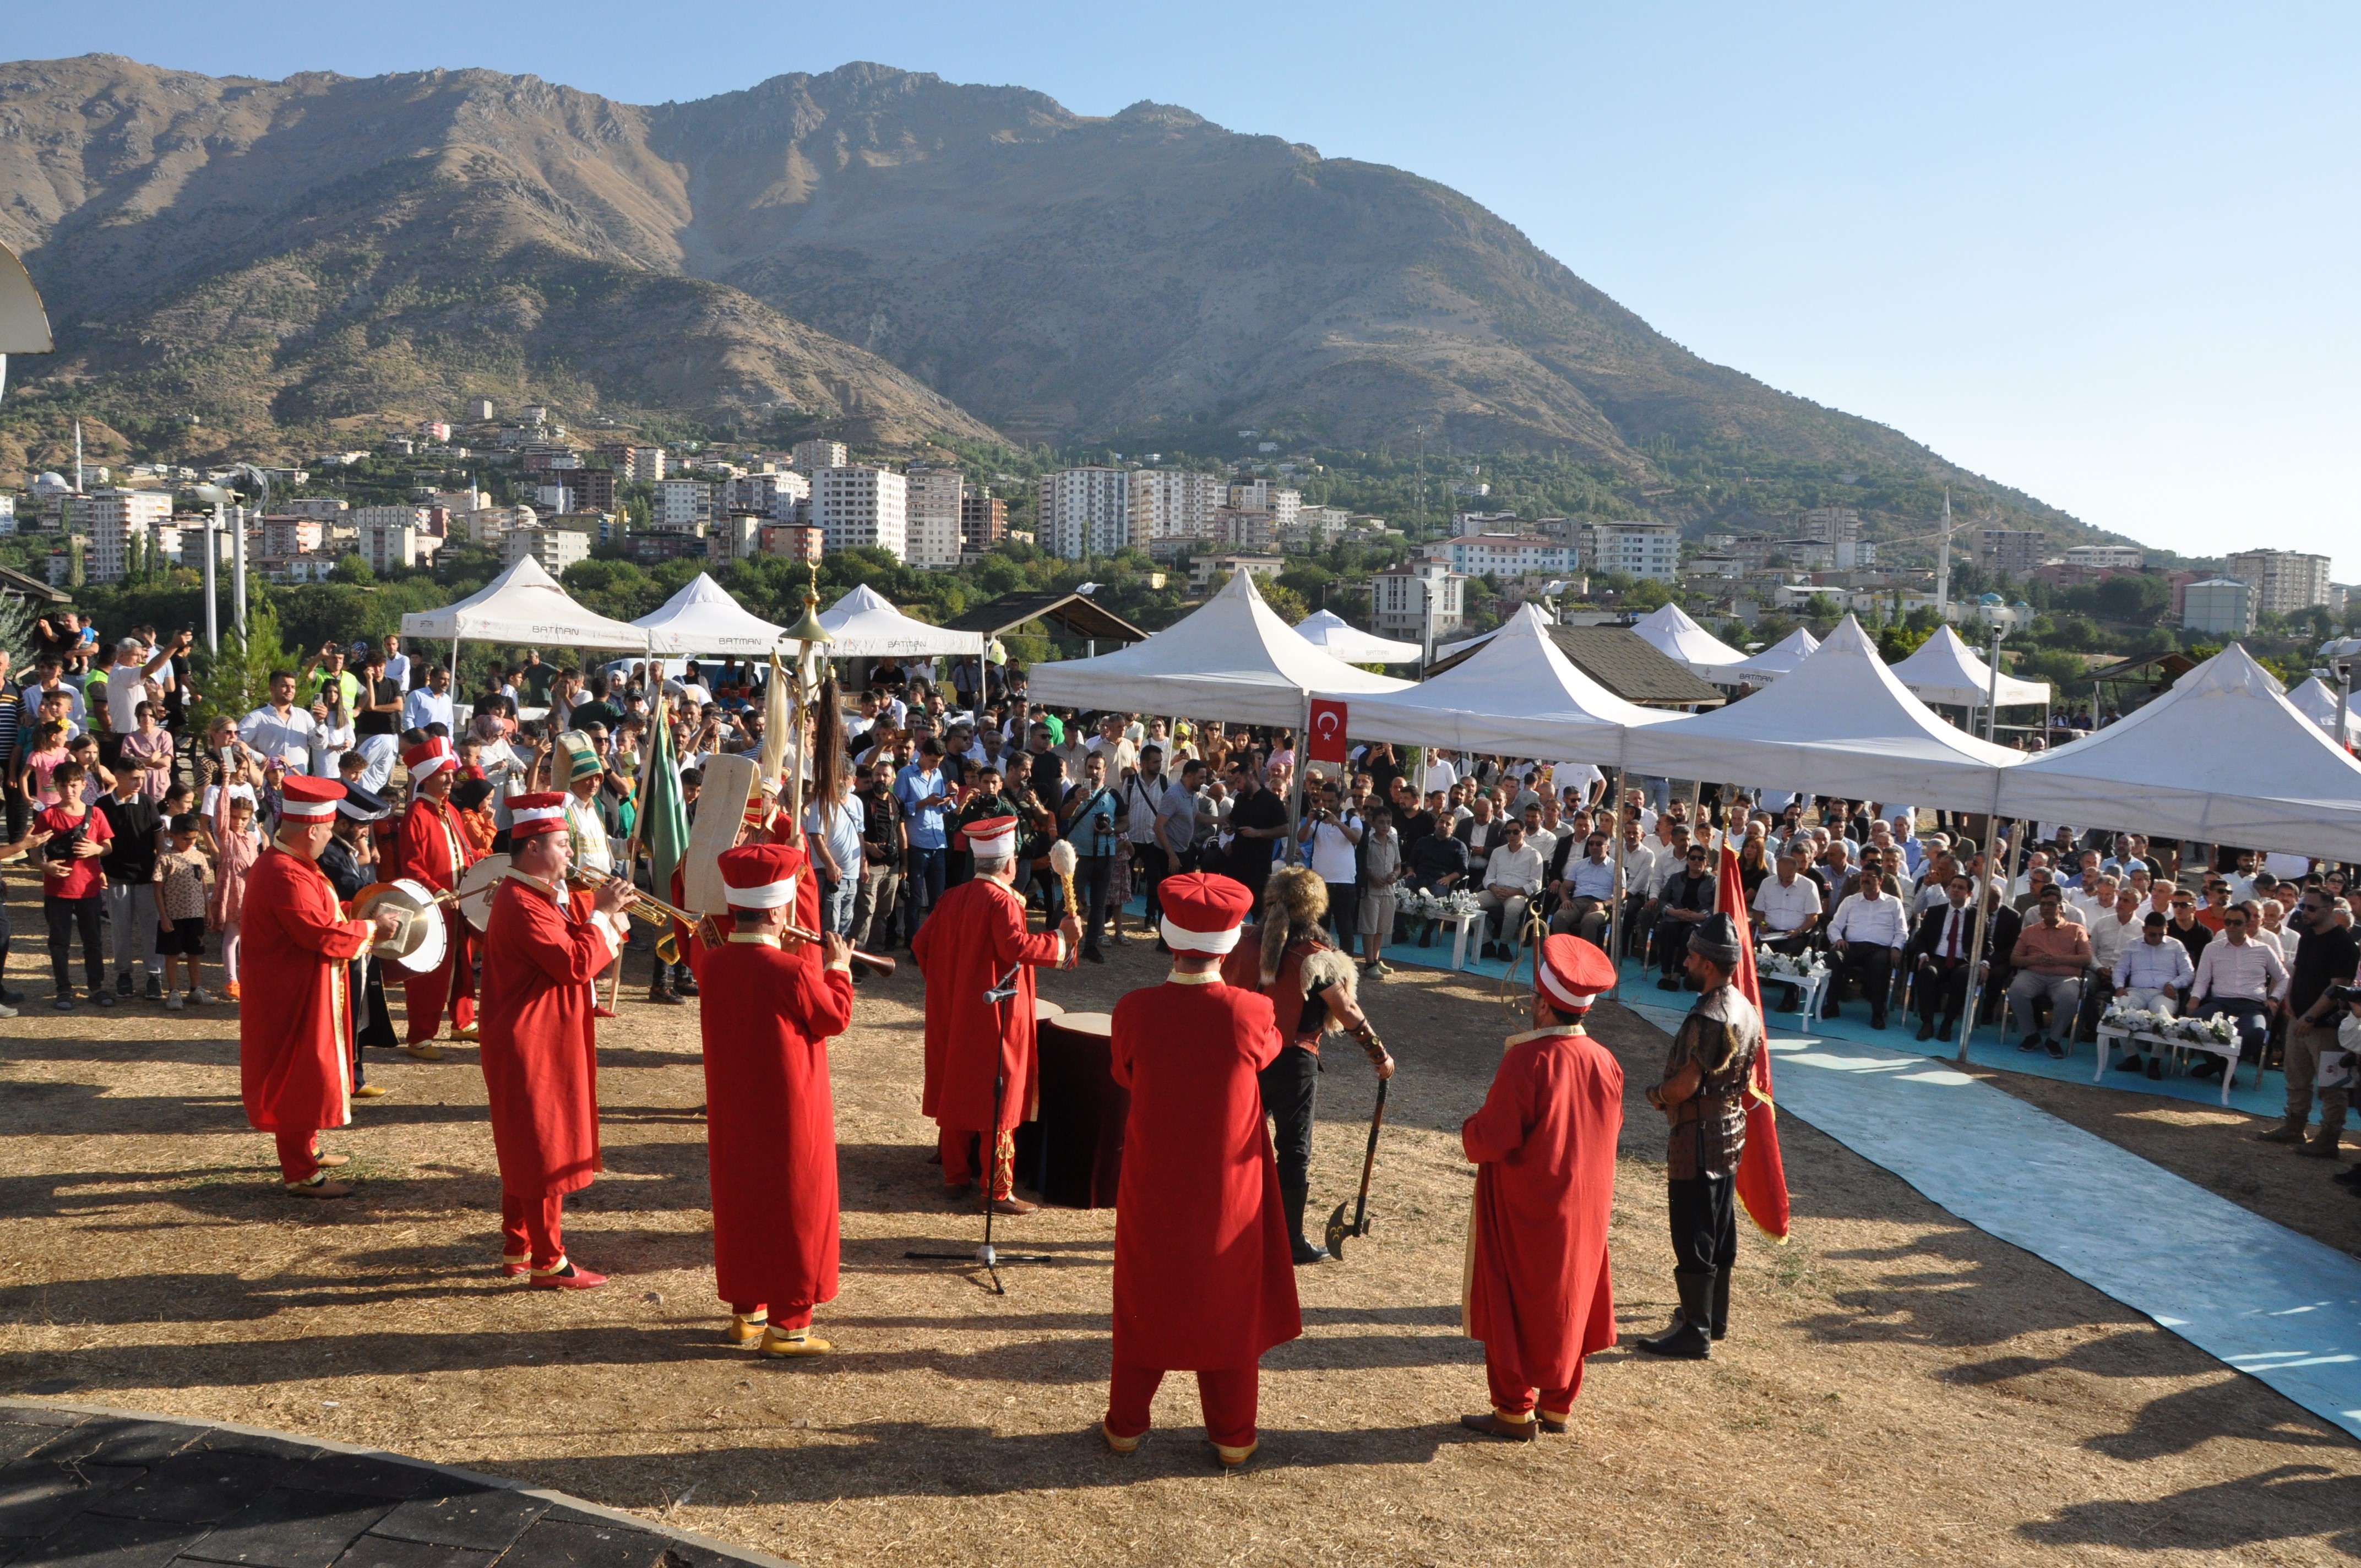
(858, 504)
(1418, 601)
(935, 496)
(2286, 582)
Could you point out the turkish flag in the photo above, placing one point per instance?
(1762, 1176)
(1325, 743)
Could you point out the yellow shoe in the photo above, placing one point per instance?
(424, 1050)
(798, 1342)
(368, 1092)
(1232, 1458)
(745, 1331)
(1120, 1445)
(469, 1032)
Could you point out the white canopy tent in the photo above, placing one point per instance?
(524, 604)
(2222, 758)
(1673, 634)
(1229, 659)
(1945, 669)
(867, 626)
(703, 618)
(1518, 694)
(1780, 659)
(2317, 701)
(1840, 725)
(1340, 639)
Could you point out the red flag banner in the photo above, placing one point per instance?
(1761, 1182)
(1325, 743)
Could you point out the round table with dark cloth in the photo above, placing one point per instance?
(1074, 1150)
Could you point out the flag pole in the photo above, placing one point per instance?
(656, 717)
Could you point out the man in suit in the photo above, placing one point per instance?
(1940, 953)
(1480, 832)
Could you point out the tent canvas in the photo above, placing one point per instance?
(1780, 659)
(1841, 725)
(1232, 658)
(1518, 694)
(1340, 639)
(2222, 758)
(703, 618)
(524, 604)
(867, 626)
(1945, 669)
(2317, 701)
(1672, 631)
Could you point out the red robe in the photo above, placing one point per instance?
(427, 854)
(293, 1068)
(539, 1044)
(1205, 1279)
(770, 1123)
(1539, 1292)
(975, 934)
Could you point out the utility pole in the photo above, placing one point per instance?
(1943, 562)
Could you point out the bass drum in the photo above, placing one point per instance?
(476, 889)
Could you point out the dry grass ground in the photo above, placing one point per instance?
(1899, 1388)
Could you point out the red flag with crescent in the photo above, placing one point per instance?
(1326, 742)
(1762, 1183)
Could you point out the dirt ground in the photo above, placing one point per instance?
(1899, 1386)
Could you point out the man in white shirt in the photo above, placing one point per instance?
(1512, 880)
(430, 703)
(1578, 775)
(1439, 773)
(1865, 936)
(2243, 979)
(1642, 872)
(396, 663)
(2150, 974)
(126, 681)
(1789, 904)
(278, 729)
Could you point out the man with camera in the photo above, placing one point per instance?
(2326, 956)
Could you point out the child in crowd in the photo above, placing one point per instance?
(349, 768)
(49, 752)
(471, 757)
(473, 802)
(73, 885)
(236, 846)
(180, 905)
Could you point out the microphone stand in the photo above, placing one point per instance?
(998, 996)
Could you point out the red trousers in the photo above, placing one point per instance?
(1513, 1393)
(427, 996)
(1228, 1396)
(533, 1225)
(785, 1323)
(297, 1163)
(962, 1155)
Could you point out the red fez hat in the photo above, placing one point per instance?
(530, 814)
(1202, 911)
(991, 838)
(428, 758)
(761, 876)
(303, 798)
(1572, 972)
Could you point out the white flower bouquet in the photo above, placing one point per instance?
(1437, 907)
(1804, 966)
(2218, 1031)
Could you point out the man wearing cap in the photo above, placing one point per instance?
(1703, 1097)
(1539, 1294)
(771, 1005)
(349, 863)
(1204, 1277)
(435, 850)
(291, 1027)
(540, 1044)
(979, 1053)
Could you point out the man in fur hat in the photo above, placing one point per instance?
(1310, 985)
(1703, 1096)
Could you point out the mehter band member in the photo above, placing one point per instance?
(980, 1052)
(435, 850)
(1539, 1294)
(1204, 1278)
(540, 1044)
(291, 1027)
(771, 1003)
(349, 864)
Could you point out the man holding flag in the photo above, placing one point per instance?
(1723, 1145)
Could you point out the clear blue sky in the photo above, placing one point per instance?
(2105, 253)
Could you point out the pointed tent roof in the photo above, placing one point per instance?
(524, 604)
(1677, 637)
(1945, 669)
(1517, 694)
(2222, 758)
(868, 627)
(2317, 701)
(1840, 725)
(1780, 659)
(703, 618)
(1339, 637)
(1231, 658)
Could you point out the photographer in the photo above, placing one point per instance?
(1334, 834)
(1092, 819)
(2326, 956)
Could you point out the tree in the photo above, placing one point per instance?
(2135, 597)
(238, 681)
(353, 568)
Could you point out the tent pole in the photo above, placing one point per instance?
(1295, 781)
(1615, 911)
(1993, 868)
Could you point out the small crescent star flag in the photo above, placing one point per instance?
(1327, 736)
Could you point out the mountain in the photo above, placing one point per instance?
(909, 256)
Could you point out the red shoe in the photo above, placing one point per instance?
(513, 1265)
(566, 1277)
(602, 1012)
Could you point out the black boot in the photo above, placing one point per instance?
(1685, 1341)
(1305, 1251)
(1720, 1302)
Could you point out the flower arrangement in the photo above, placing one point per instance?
(1452, 906)
(1805, 965)
(2217, 1031)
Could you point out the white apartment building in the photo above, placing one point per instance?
(1174, 503)
(681, 505)
(858, 504)
(113, 518)
(2285, 581)
(285, 536)
(936, 495)
(1503, 554)
(1418, 601)
(1830, 525)
(489, 525)
(811, 456)
(7, 514)
(645, 464)
(555, 548)
(1635, 549)
(1280, 504)
(2219, 607)
(765, 493)
(2102, 557)
(1082, 512)
(388, 544)
(323, 509)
